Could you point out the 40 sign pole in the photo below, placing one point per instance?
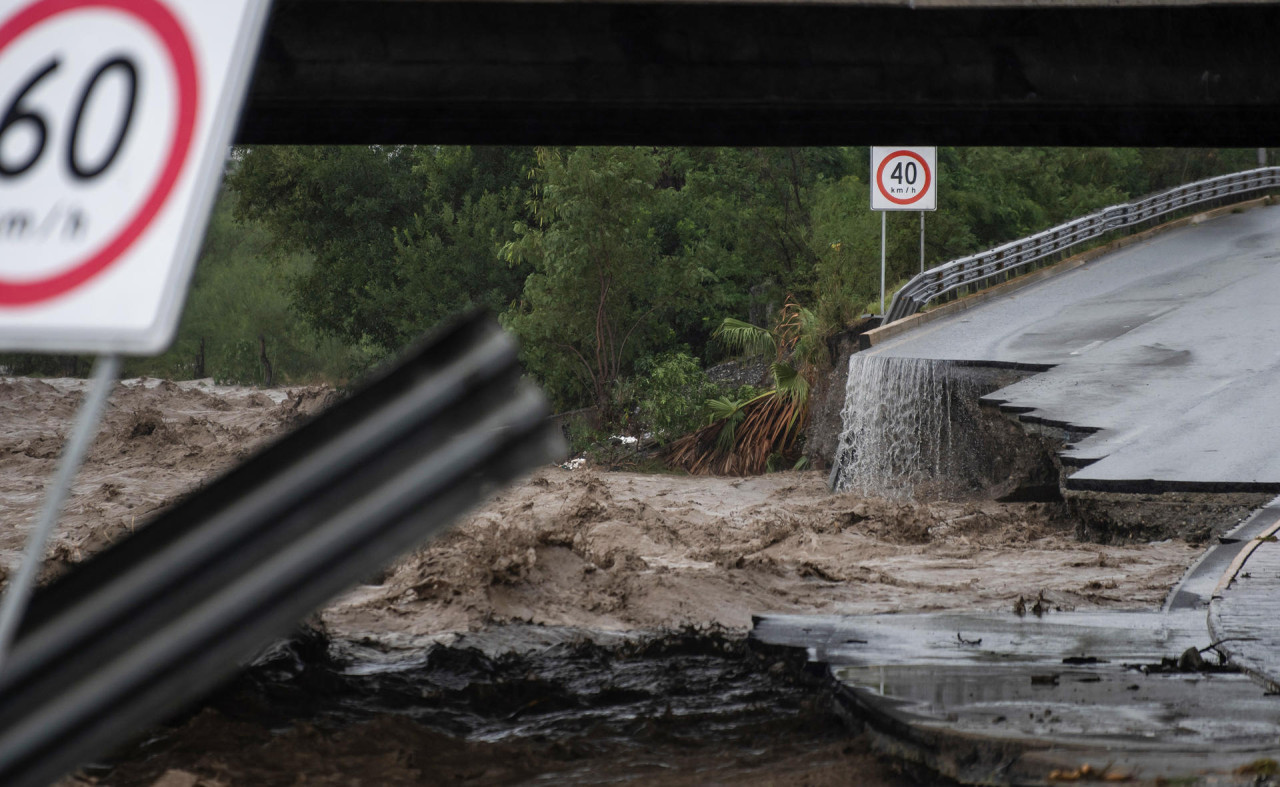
(902, 179)
(882, 225)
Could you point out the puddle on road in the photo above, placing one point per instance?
(1102, 704)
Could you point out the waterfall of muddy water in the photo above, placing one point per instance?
(903, 432)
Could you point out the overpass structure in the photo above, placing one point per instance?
(1162, 357)
(769, 72)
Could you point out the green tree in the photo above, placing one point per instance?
(448, 256)
(598, 289)
(342, 205)
(748, 436)
(749, 210)
(401, 237)
(670, 394)
(238, 312)
(1164, 168)
(845, 240)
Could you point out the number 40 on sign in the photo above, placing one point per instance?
(904, 178)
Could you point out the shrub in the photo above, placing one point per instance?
(670, 394)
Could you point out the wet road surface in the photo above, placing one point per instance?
(1036, 695)
(1169, 348)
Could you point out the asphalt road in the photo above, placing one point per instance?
(1170, 348)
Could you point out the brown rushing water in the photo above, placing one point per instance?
(612, 556)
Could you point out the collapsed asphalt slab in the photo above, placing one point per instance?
(1162, 359)
(1036, 695)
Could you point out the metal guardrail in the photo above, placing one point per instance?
(1014, 257)
(154, 621)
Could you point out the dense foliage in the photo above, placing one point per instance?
(239, 325)
(613, 266)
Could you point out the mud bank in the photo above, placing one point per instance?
(1111, 517)
(517, 704)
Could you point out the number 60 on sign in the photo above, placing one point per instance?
(115, 117)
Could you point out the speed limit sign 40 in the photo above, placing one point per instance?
(115, 119)
(904, 178)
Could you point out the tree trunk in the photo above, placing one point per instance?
(262, 356)
(199, 367)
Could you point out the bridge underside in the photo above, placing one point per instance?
(734, 73)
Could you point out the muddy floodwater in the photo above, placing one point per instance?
(581, 626)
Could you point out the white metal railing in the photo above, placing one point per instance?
(1015, 256)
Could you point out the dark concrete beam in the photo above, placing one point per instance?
(396, 71)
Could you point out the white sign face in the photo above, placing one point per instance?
(904, 178)
(115, 120)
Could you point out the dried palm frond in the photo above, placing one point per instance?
(742, 443)
(750, 437)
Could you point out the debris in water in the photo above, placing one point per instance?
(1088, 772)
(1262, 767)
(1041, 606)
(1081, 660)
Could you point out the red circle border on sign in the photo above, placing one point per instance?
(928, 177)
(169, 30)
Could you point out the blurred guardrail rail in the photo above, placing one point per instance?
(985, 269)
(150, 624)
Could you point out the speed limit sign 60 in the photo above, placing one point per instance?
(115, 118)
(904, 178)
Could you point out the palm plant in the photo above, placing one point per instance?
(750, 436)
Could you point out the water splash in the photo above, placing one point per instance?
(901, 434)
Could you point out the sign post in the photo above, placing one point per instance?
(902, 179)
(115, 120)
